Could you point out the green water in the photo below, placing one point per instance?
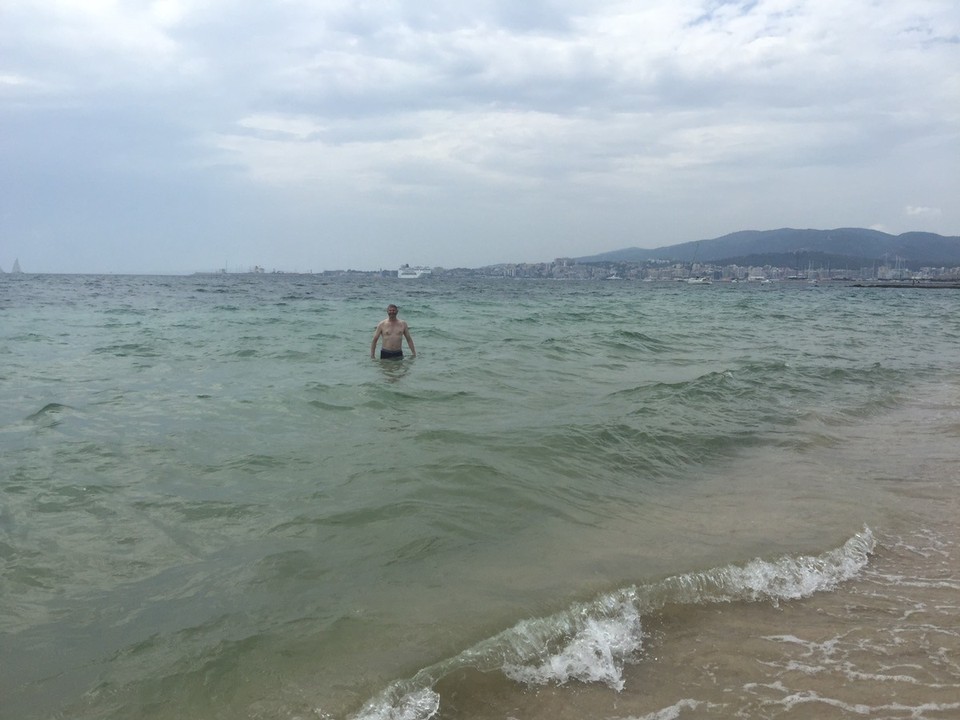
(214, 504)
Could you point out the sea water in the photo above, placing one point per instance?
(580, 500)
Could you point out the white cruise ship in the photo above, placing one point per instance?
(407, 272)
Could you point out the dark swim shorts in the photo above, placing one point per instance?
(391, 354)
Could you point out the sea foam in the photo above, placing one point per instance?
(592, 642)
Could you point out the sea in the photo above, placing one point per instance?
(615, 500)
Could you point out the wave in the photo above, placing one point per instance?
(127, 350)
(48, 410)
(49, 416)
(767, 395)
(634, 341)
(591, 642)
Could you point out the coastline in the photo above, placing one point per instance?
(880, 644)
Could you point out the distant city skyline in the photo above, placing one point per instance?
(179, 135)
(916, 250)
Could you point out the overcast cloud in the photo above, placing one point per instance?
(183, 135)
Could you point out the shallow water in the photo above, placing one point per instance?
(579, 500)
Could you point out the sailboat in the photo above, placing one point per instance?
(16, 267)
(697, 279)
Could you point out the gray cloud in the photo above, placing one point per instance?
(176, 135)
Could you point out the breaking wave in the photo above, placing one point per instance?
(591, 642)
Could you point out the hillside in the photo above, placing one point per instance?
(851, 246)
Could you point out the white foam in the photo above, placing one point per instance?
(673, 711)
(420, 704)
(787, 578)
(596, 653)
(791, 701)
(792, 578)
(593, 641)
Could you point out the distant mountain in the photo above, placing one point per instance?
(799, 248)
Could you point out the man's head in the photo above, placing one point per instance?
(392, 310)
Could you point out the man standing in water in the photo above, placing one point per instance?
(392, 331)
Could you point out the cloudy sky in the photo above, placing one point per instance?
(184, 135)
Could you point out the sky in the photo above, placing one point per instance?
(177, 136)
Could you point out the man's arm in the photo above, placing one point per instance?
(406, 334)
(373, 344)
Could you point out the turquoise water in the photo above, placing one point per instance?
(214, 504)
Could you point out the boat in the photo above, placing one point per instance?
(16, 267)
(699, 280)
(406, 272)
(614, 277)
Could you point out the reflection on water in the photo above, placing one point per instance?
(394, 370)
